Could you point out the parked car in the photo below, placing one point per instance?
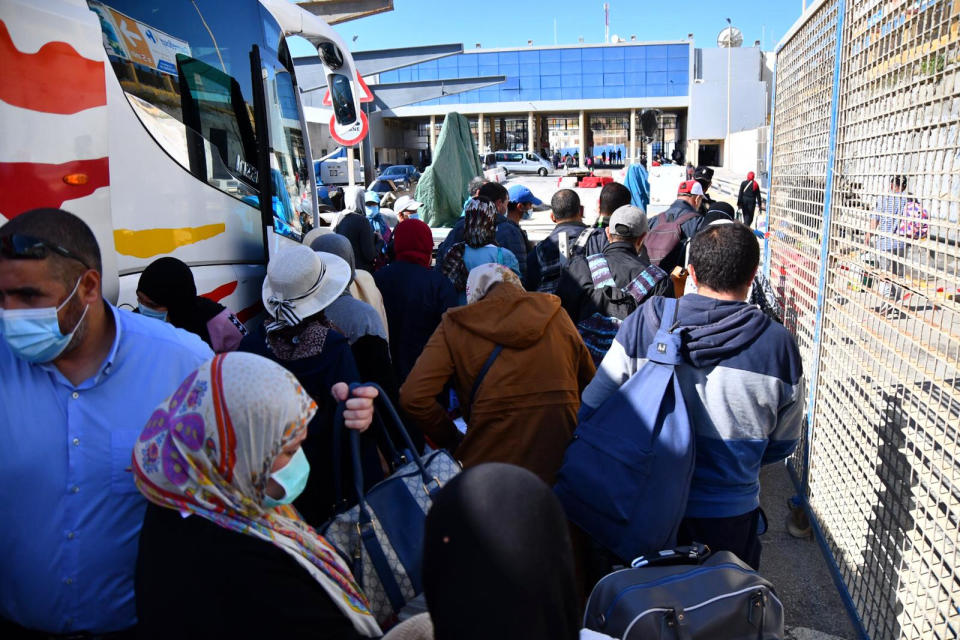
(383, 167)
(522, 162)
(405, 174)
(383, 185)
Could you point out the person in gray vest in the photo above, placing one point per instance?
(552, 254)
(613, 195)
(627, 277)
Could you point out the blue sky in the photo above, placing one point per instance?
(510, 23)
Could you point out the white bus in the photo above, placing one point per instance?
(160, 123)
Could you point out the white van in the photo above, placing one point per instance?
(522, 162)
(336, 171)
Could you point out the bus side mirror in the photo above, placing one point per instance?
(330, 55)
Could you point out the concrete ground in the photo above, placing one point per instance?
(539, 224)
(813, 609)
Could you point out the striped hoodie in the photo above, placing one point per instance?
(744, 388)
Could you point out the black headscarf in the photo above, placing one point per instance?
(497, 559)
(169, 282)
(718, 211)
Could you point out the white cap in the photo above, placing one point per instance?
(405, 203)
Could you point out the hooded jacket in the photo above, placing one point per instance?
(524, 412)
(744, 389)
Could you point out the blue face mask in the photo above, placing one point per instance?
(414, 216)
(152, 313)
(372, 209)
(34, 334)
(292, 477)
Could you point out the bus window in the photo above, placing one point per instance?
(185, 69)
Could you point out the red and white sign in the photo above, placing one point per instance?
(351, 134)
(366, 96)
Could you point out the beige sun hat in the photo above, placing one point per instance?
(301, 282)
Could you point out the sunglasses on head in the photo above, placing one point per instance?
(17, 246)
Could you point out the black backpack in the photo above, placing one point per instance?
(599, 330)
(551, 270)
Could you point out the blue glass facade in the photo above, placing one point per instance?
(581, 73)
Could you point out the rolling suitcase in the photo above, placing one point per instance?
(686, 594)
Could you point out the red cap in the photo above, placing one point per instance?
(690, 188)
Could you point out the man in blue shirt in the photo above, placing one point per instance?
(891, 249)
(80, 380)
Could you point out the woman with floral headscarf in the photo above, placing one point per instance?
(479, 246)
(524, 410)
(222, 554)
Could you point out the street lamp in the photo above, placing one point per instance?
(726, 142)
(729, 38)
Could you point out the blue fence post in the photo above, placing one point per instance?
(824, 244)
(773, 119)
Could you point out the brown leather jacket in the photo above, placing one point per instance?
(525, 410)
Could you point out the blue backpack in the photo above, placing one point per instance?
(626, 474)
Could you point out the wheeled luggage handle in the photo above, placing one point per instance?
(695, 553)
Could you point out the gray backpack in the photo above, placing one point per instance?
(686, 594)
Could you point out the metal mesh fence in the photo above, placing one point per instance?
(804, 85)
(884, 475)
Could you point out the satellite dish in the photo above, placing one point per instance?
(730, 37)
(650, 122)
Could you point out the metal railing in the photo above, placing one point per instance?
(867, 98)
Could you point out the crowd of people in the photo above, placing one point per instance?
(167, 470)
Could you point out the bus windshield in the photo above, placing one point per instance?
(185, 67)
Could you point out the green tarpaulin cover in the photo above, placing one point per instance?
(443, 186)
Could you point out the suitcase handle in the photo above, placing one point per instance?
(688, 554)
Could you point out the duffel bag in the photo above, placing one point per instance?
(686, 594)
(382, 536)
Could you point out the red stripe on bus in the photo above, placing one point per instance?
(55, 79)
(250, 311)
(29, 185)
(221, 292)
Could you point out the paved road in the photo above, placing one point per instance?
(797, 569)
